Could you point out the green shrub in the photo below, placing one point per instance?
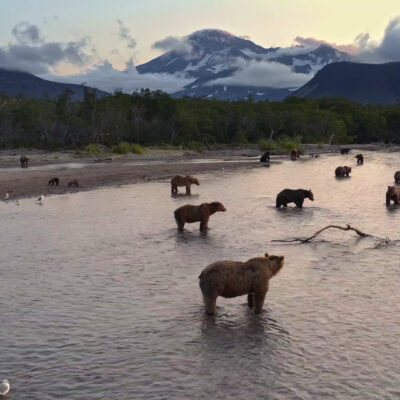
(137, 149)
(288, 144)
(267, 144)
(195, 146)
(122, 148)
(93, 150)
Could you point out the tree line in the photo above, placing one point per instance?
(155, 118)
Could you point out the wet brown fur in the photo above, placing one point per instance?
(393, 194)
(235, 278)
(360, 159)
(189, 213)
(293, 196)
(187, 181)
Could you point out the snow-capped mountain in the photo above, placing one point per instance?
(228, 67)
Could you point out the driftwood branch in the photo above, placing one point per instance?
(306, 240)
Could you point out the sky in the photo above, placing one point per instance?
(76, 35)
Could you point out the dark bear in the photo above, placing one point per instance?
(345, 150)
(236, 278)
(24, 161)
(397, 177)
(393, 194)
(294, 154)
(54, 181)
(189, 213)
(341, 172)
(360, 159)
(293, 196)
(265, 157)
(73, 183)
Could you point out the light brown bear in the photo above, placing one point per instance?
(189, 213)
(393, 193)
(187, 181)
(235, 278)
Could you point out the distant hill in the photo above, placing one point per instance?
(16, 83)
(365, 83)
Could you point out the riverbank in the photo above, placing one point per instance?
(93, 172)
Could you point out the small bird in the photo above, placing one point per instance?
(41, 198)
(4, 387)
(7, 196)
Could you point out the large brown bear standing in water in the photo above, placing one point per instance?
(293, 196)
(393, 193)
(201, 213)
(179, 180)
(235, 278)
(341, 172)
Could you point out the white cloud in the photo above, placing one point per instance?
(263, 74)
(175, 44)
(34, 54)
(125, 35)
(107, 78)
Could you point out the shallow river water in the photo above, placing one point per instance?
(99, 295)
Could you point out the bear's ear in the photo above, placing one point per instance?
(266, 255)
(389, 187)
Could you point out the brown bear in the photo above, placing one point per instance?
(73, 183)
(24, 161)
(179, 180)
(360, 159)
(397, 177)
(54, 182)
(345, 150)
(265, 157)
(294, 154)
(189, 213)
(393, 193)
(293, 196)
(235, 278)
(341, 172)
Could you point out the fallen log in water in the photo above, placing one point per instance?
(306, 240)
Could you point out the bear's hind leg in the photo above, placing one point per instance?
(250, 300)
(210, 304)
(188, 190)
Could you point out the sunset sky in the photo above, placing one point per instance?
(62, 38)
(266, 22)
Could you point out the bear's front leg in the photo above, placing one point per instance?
(204, 224)
(188, 190)
(259, 298)
(250, 300)
(211, 304)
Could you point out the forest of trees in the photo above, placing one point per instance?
(155, 118)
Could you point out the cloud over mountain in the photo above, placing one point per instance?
(32, 53)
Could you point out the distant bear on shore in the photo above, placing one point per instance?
(294, 154)
(54, 182)
(293, 196)
(345, 150)
(265, 157)
(189, 213)
(397, 177)
(24, 161)
(187, 181)
(235, 278)
(73, 183)
(341, 172)
(393, 194)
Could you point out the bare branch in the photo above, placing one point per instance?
(346, 228)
